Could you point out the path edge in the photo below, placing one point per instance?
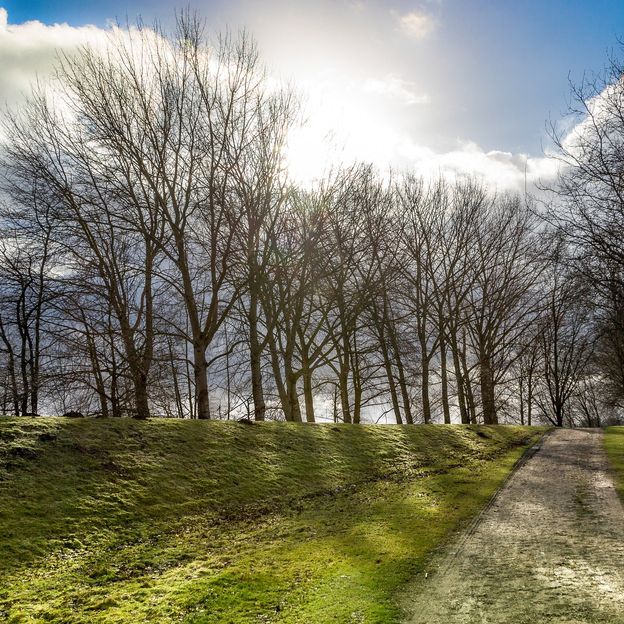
(453, 546)
(519, 463)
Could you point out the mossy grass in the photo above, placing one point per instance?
(614, 445)
(201, 522)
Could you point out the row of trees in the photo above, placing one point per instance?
(156, 260)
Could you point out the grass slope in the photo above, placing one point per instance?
(614, 445)
(202, 522)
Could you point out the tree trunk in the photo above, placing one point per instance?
(335, 404)
(256, 359)
(529, 399)
(96, 370)
(344, 392)
(293, 397)
(357, 385)
(24, 372)
(200, 370)
(140, 397)
(176, 383)
(459, 383)
(486, 378)
(115, 401)
(470, 400)
(521, 392)
(393, 393)
(357, 403)
(385, 354)
(444, 375)
(14, 389)
(344, 358)
(308, 393)
(426, 405)
(407, 409)
(279, 381)
(390, 377)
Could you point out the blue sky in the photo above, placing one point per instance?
(451, 75)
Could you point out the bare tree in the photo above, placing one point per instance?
(169, 145)
(566, 340)
(587, 205)
(501, 303)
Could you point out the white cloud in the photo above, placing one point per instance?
(503, 171)
(416, 24)
(28, 52)
(395, 87)
(576, 131)
(351, 118)
(342, 138)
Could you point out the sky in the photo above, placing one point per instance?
(429, 85)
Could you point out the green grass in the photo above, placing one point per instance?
(201, 522)
(614, 445)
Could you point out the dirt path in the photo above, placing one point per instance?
(550, 548)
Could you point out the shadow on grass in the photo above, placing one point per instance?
(161, 520)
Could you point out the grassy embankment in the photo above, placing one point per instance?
(614, 444)
(180, 521)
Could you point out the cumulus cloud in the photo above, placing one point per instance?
(577, 131)
(395, 87)
(351, 117)
(501, 170)
(317, 149)
(416, 24)
(28, 52)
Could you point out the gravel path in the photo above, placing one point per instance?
(549, 548)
